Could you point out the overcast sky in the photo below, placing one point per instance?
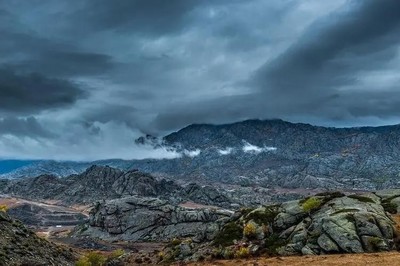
(81, 79)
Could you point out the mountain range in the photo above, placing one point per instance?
(266, 153)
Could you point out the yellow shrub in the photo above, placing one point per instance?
(311, 204)
(250, 230)
(92, 259)
(242, 253)
(3, 208)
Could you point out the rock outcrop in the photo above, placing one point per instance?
(151, 219)
(322, 224)
(20, 246)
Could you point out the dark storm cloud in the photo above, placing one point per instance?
(32, 93)
(23, 127)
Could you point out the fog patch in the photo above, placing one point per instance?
(225, 151)
(250, 148)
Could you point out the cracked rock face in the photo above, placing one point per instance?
(349, 224)
(151, 219)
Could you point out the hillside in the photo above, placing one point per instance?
(20, 246)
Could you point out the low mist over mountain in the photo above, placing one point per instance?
(270, 153)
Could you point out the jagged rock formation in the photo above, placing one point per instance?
(321, 224)
(20, 246)
(151, 219)
(270, 153)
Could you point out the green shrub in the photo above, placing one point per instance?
(344, 211)
(361, 198)
(263, 216)
(389, 207)
(273, 242)
(228, 253)
(230, 232)
(311, 204)
(330, 194)
(375, 243)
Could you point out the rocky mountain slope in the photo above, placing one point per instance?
(271, 153)
(20, 246)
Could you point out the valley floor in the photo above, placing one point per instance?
(381, 259)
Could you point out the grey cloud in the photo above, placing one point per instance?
(145, 17)
(32, 93)
(333, 49)
(68, 63)
(24, 127)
